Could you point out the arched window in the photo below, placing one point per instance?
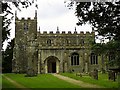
(67, 42)
(49, 42)
(75, 59)
(82, 42)
(94, 58)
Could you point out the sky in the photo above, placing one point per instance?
(50, 15)
(53, 13)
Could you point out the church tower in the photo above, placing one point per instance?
(25, 44)
(36, 52)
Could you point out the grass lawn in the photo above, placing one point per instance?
(102, 81)
(0, 81)
(7, 84)
(41, 81)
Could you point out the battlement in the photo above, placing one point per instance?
(45, 32)
(51, 32)
(63, 32)
(67, 33)
(25, 19)
(35, 17)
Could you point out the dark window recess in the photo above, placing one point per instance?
(25, 27)
(75, 59)
(49, 42)
(71, 60)
(111, 58)
(94, 58)
(82, 42)
(67, 42)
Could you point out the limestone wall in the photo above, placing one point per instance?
(33, 48)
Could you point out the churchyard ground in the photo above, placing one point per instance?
(50, 81)
(40, 81)
(102, 80)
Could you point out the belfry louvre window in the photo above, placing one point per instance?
(49, 42)
(75, 59)
(25, 27)
(94, 58)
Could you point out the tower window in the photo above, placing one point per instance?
(94, 58)
(25, 27)
(82, 42)
(49, 42)
(75, 59)
(66, 41)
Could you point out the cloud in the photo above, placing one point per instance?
(52, 8)
(51, 13)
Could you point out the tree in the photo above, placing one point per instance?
(104, 17)
(5, 29)
(7, 10)
(7, 56)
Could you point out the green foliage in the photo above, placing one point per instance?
(25, 4)
(98, 48)
(6, 8)
(111, 49)
(5, 29)
(105, 19)
(7, 57)
(102, 80)
(40, 81)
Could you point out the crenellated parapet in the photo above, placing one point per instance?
(24, 19)
(66, 33)
(66, 39)
(34, 51)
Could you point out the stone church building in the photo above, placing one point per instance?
(52, 52)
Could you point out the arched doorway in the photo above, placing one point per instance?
(52, 64)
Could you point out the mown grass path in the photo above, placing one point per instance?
(102, 80)
(40, 81)
(15, 83)
(76, 82)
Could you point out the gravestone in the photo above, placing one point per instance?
(95, 74)
(111, 75)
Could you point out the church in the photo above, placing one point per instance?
(52, 52)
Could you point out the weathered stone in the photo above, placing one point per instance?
(33, 50)
(111, 75)
(79, 74)
(94, 74)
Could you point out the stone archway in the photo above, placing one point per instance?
(52, 65)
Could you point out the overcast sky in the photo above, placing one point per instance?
(51, 13)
